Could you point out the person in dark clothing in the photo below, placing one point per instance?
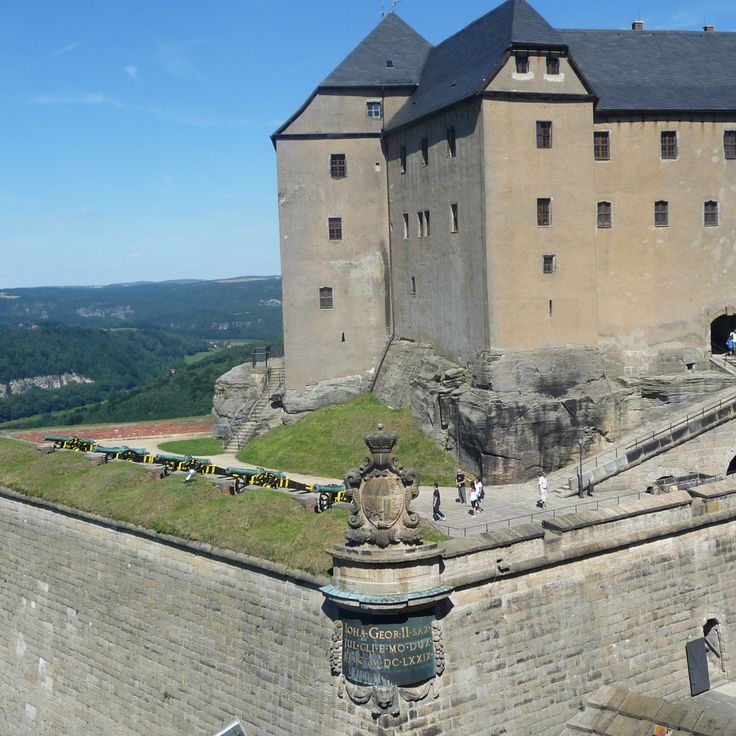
(437, 515)
(460, 480)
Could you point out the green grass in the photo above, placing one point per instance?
(262, 523)
(197, 446)
(329, 442)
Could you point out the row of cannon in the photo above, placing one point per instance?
(243, 478)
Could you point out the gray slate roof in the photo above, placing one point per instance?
(392, 39)
(657, 70)
(463, 65)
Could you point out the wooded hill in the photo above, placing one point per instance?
(247, 307)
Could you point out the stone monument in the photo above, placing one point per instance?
(387, 641)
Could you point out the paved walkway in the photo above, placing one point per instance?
(503, 506)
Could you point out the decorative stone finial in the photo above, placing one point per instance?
(381, 511)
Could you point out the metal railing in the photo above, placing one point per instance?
(594, 505)
(662, 431)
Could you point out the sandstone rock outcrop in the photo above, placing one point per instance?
(48, 382)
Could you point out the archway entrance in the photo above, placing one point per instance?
(731, 467)
(719, 330)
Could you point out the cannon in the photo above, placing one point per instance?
(329, 495)
(70, 442)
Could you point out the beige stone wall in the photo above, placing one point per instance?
(349, 338)
(448, 308)
(516, 174)
(536, 79)
(659, 286)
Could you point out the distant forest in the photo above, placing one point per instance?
(148, 348)
(248, 307)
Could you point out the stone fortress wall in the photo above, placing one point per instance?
(109, 629)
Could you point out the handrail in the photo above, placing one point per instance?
(593, 462)
(237, 420)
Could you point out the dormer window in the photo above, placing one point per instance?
(389, 63)
(522, 63)
(553, 65)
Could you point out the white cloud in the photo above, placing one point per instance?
(58, 52)
(92, 99)
(132, 71)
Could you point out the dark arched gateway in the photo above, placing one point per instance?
(720, 327)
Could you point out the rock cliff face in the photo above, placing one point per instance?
(20, 385)
(236, 391)
(509, 415)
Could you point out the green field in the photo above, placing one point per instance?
(329, 442)
(262, 523)
(199, 446)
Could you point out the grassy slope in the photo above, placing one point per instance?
(265, 524)
(330, 441)
(200, 446)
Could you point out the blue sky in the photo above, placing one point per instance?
(136, 132)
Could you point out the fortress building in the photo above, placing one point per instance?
(515, 188)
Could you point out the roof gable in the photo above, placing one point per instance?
(391, 40)
(463, 65)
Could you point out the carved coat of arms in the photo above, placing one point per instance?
(381, 511)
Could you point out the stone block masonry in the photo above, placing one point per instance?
(113, 630)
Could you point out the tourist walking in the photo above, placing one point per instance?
(460, 481)
(542, 486)
(479, 492)
(731, 343)
(473, 500)
(437, 515)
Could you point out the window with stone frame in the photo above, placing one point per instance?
(661, 213)
(522, 63)
(454, 222)
(601, 145)
(553, 65)
(729, 143)
(451, 143)
(549, 264)
(710, 213)
(544, 134)
(338, 165)
(325, 297)
(544, 211)
(668, 144)
(603, 215)
(373, 109)
(334, 228)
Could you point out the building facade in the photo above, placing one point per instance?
(514, 188)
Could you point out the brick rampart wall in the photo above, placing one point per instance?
(113, 632)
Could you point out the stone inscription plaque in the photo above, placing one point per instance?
(384, 651)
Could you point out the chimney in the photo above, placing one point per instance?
(637, 25)
(709, 28)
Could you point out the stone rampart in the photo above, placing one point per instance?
(111, 629)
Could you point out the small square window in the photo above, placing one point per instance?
(543, 212)
(338, 166)
(325, 297)
(553, 65)
(710, 214)
(454, 223)
(661, 214)
(522, 63)
(402, 159)
(451, 143)
(601, 145)
(729, 143)
(549, 264)
(604, 214)
(544, 134)
(334, 228)
(425, 151)
(668, 144)
(405, 218)
(373, 109)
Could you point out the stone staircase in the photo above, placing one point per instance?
(243, 430)
(647, 443)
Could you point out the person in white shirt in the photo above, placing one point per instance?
(542, 486)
